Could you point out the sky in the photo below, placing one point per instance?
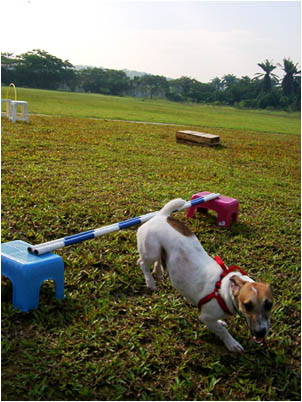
(197, 39)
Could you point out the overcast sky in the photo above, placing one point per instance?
(198, 39)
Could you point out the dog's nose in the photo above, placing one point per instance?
(261, 333)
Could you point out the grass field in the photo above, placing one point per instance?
(126, 108)
(111, 338)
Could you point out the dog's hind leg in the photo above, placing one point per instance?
(150, 282)
(158, 270)
(160, 264)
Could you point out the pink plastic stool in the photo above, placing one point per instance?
(226, 208)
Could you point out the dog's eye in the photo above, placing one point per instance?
(248, 306)
(267, 305)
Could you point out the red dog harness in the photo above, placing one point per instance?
(215, 294)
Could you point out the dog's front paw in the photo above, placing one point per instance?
(234, 346)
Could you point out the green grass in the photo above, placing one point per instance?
(126, 108)
(111, 338)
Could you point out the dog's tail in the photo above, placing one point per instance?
(171, 206)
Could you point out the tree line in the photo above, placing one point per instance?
(39, 69)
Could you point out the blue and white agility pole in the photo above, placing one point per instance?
(49, 246)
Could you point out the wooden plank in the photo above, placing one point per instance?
(196, 137)
(180, 141)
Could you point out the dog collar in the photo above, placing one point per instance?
(215, 294)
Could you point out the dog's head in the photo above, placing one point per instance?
(254, 301)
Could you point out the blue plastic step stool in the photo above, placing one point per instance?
(27, 272)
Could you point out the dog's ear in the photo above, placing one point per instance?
(236, 284)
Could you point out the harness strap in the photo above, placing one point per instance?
(215, 294)
(221, 263)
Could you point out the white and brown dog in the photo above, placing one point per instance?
(208, 284)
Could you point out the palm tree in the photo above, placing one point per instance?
(291, 79)
(268, 76)
(228, 80)
(217, 83)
